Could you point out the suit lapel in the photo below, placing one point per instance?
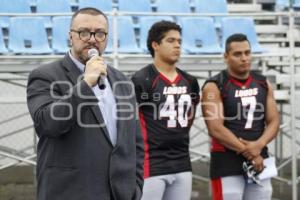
(72, 70)
(74, 75)
(97, 113)
(118, 92)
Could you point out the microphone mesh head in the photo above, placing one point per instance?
(92, 52)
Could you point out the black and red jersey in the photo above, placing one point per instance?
(244, 103)
(167, 110)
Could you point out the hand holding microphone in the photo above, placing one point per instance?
(95, 69)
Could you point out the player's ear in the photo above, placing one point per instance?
(225, 56)
(154, 45)
(70, 38)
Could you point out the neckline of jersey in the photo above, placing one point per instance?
(166, 79)
(240, 83)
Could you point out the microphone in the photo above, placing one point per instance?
(91, 53)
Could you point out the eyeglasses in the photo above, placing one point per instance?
(86, 35)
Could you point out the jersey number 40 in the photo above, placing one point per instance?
(177, 112)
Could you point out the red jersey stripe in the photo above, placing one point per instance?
(217, 192)
(154, 82)
(240, 84)
(146, 146)
(216, 146)
(166, 80)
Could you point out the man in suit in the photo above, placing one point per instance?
(90, 146)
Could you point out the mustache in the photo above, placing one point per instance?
(244, 64)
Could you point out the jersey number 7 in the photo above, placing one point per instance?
(252, 102)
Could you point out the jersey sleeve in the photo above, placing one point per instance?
(195, 92)
(140, 89)
(211, 80)
(260, 79)
(219, 79)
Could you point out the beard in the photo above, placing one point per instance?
(83, 59)
(244, 70)
(83, 56)
(171, 60)
(240, 73)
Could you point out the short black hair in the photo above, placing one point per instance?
(157, 32)
(87, 10)
(237, 37)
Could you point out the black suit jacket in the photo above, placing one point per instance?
(76, 160)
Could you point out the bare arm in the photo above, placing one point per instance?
(213, 113)
(272, 119)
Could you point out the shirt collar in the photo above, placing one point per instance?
(77, 63)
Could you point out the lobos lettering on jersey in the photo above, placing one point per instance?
(246, 93)
(175, 90)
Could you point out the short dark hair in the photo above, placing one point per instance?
(157, 32)
(87, 10)
(237, 37)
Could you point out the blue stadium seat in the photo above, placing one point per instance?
(126, 37)
(145, 23)
(180, 6)
(53, 6)
(243, 25)
(282, 4)
(3, 49)
(12, 6)
(74, 3)
(103, 5)
(109, 46)
(199, 35)
(32, 3)
(28, 35)
(135, 5)
(60, 36)
(296, 4)
(212, 6)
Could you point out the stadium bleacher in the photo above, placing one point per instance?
(136, 29)
(27, 35)
(145, 24)
(104, 5)
(296, 4)
(203, 38)
(245, 25)
(3, 49)
(12, 6)
(178, 6)
(45, 6)
(284, 4)
(215, 6)
(60, 36)
(26, 41)
(135, 6)
(127, 43)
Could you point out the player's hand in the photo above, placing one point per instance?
(252, 150)
(258, 163)
(93, 69)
